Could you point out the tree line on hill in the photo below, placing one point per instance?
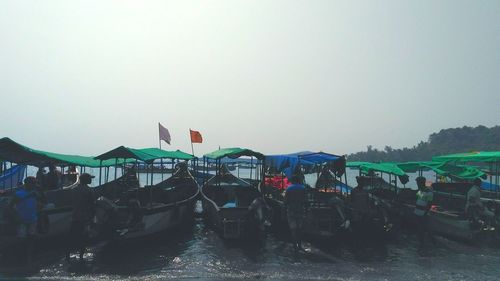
(446, 141)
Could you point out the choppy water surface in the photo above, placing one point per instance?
(198, 253)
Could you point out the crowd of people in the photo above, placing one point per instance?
(29, 200)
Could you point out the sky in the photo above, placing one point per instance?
(83, 77)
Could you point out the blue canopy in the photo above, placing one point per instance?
(288, 163)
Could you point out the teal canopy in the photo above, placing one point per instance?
(14, 152)
(355, 164)
(233, 153)
(144, 154)
(390, 168)
(479, 156)
(440, 168)
(444, 169)
(160, 153)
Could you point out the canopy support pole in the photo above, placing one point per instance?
(137, 173)
(151, 187)
(100, 170)
(496, 176)
(251, 166)
(161, 167)
(116, 167)
(152, 170)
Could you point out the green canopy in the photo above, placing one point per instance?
(159, 153)
(443, 169)
(145, 154)
(440, 168)
(480, 156)
(234, 152)
(356, 164)
(389, 168)
(20, 154)
(367, 167)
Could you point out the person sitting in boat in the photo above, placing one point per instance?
(41, 176)
(360, 199)
(474, 207)
(181, 169)
(53, 179)
(83, 213)
(296, 205)
(25, 202)
(425, 196)
(325, 179)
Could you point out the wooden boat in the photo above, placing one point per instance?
(152, 209)
(55, 217)
(447, 215)
(325, 215)
(233, 206)
(227, 202)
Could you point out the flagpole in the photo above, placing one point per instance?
(192, 148)
(159, 136)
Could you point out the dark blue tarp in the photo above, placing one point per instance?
(489, 186)
(288, 163)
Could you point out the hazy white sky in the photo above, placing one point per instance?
(83, 77)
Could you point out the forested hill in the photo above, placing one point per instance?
(446, 141)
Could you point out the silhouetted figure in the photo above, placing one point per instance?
(25, 202)
(83, 212)
(474, 207)
(423, 204)
(296, 205)
(53, 179)
(40, 177)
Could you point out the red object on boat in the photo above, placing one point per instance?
(280, 182)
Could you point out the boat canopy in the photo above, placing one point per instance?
(14, 152)
(440, 168)
(168, 154)
(233, 153)
(289, 162)
(443, 169)
(389, 168)
(355, 164)
(479, 156)
(145, 154)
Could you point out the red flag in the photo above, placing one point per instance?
(195, 136)
(164, 134)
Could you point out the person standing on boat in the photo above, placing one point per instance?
(83, 212)
(474, 207)
(296, 205)
(25, 202)
(425, 196)
(360, 200)
(40, 177)
(53, 179)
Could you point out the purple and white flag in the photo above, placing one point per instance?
(164, 134)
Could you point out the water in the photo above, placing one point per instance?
(197, 253)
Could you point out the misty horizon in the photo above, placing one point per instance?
(275, 76)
